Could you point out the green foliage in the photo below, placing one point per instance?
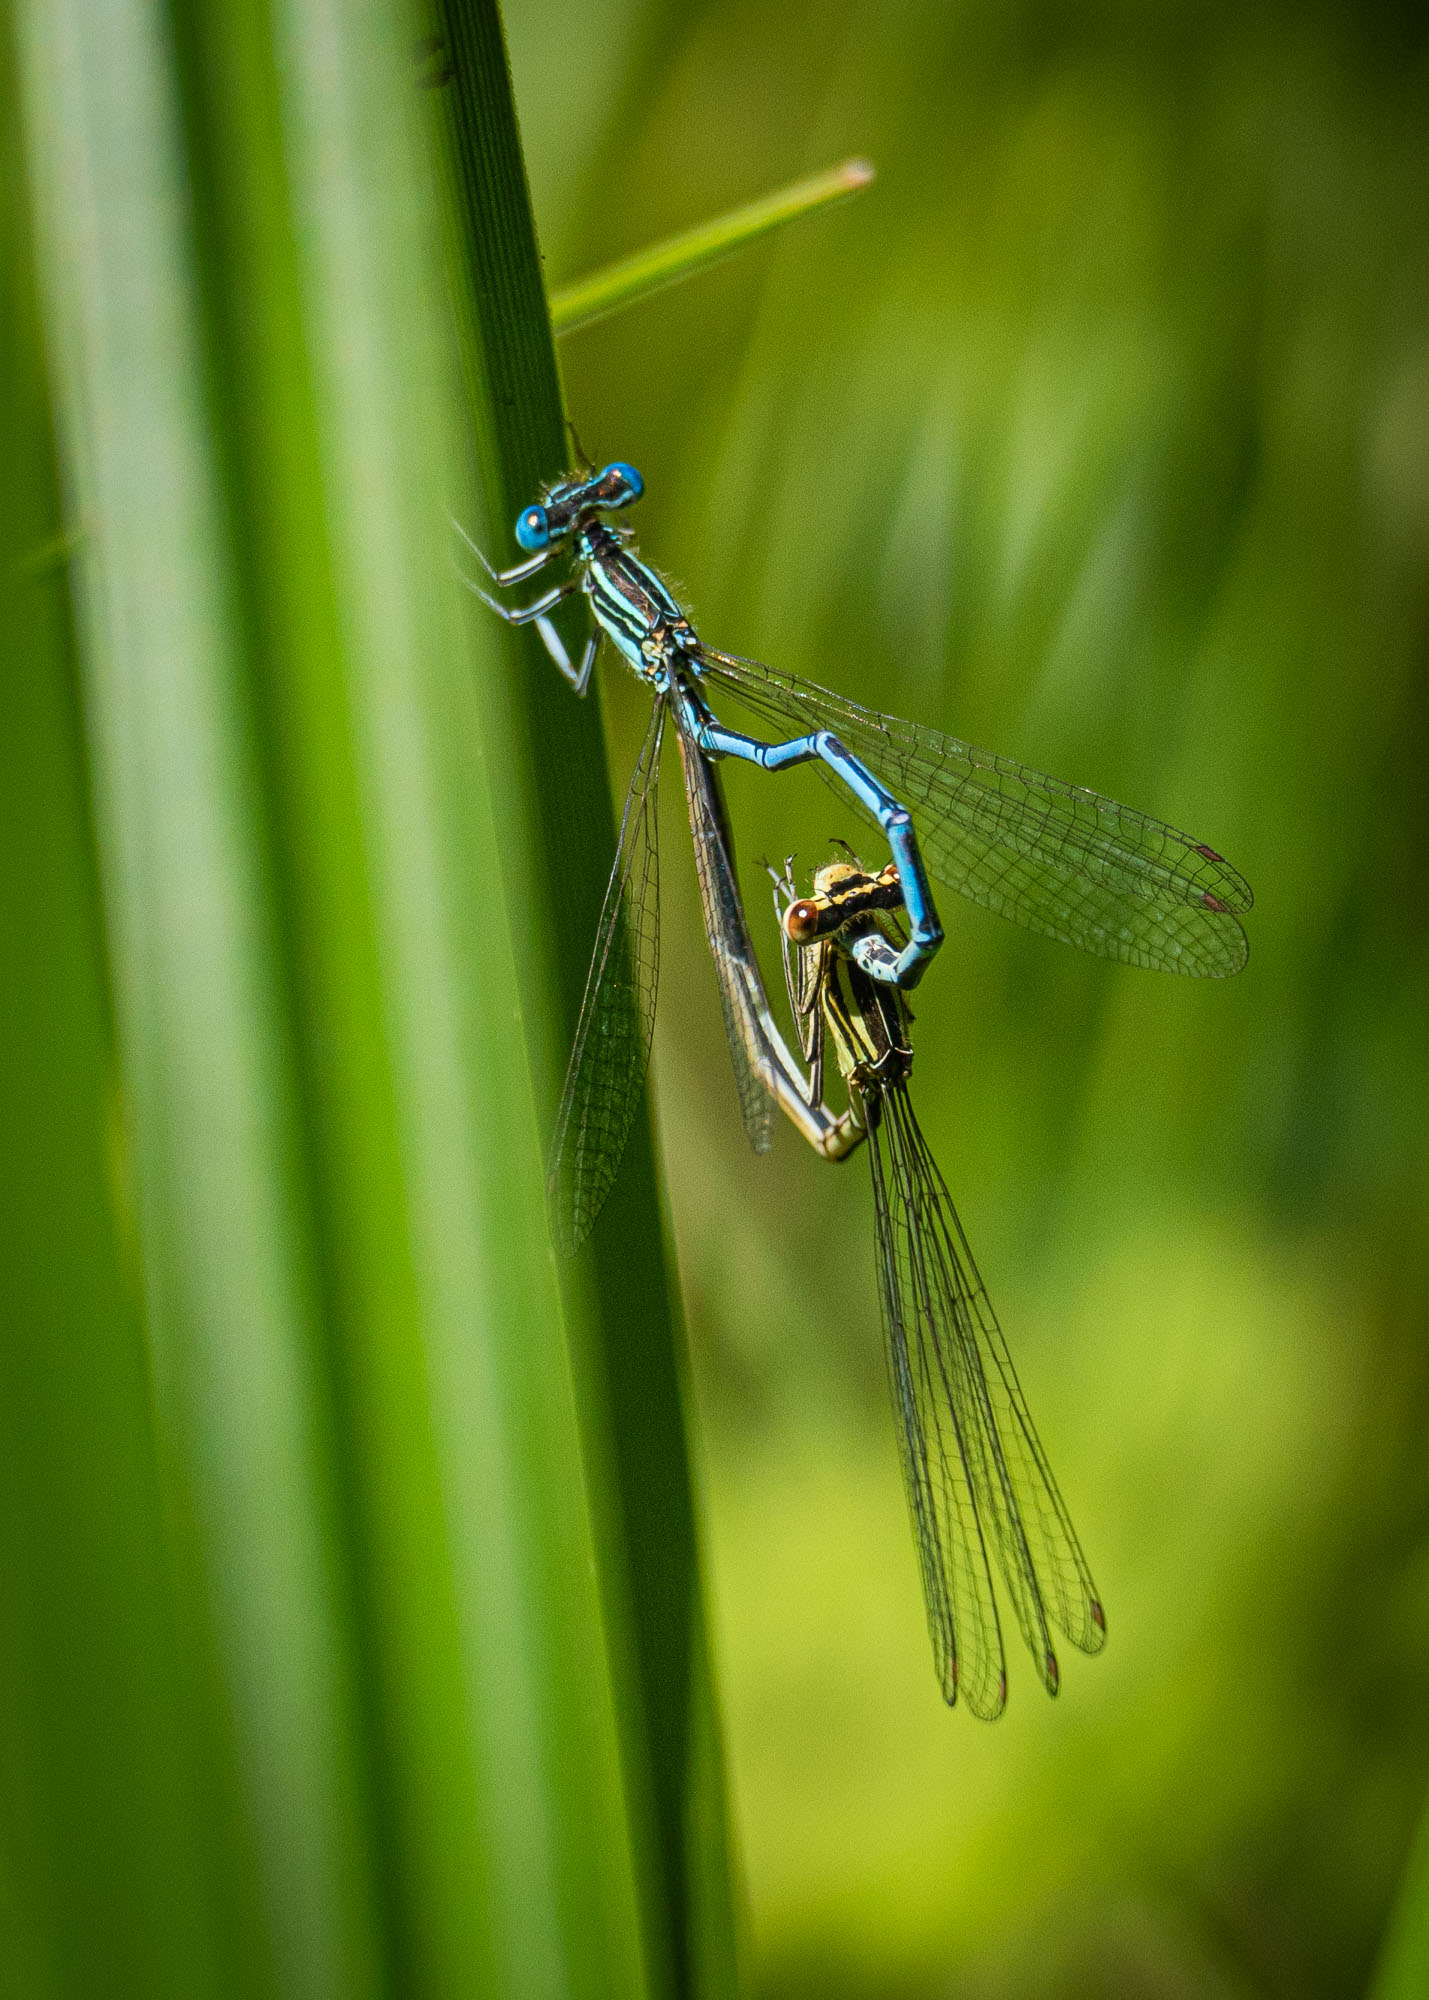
(1095, 432)
(634, 278)
(322, 1675)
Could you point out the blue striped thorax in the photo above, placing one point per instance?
(631, 604)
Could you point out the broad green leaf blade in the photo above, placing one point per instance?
(362, 1386)
(634, 278)
(227, 1253)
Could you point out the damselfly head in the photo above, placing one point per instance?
(843, 894)
(568, 502)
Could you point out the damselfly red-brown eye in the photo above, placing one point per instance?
(801, 921)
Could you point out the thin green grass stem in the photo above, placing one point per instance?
(678, 257)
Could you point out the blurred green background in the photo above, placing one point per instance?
(1097, 433)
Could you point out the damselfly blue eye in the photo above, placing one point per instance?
(619, 484)
(532, 529)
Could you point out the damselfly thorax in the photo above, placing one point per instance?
(867, 1023)
(632, 606)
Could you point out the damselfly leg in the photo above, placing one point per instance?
(578, 674)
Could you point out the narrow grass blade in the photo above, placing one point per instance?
(553, 804)
(635, 278)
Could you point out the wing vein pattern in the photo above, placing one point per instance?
(1052, 857)
(979, 1483)
(611, 1052)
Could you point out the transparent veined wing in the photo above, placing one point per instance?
(979, 1485)
(1052, 857)
(611, 1052)
(747, 1021)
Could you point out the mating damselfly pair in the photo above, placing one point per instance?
(1053, 857)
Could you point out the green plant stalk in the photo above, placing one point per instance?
(378, 1536)
(678, 257)
(554, 802)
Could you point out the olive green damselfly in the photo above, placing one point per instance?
(980, 1489)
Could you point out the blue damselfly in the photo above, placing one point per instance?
(1050, 856)
(980, 1490)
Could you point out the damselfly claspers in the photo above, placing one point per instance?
(1053, 857)
(980, 1489)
